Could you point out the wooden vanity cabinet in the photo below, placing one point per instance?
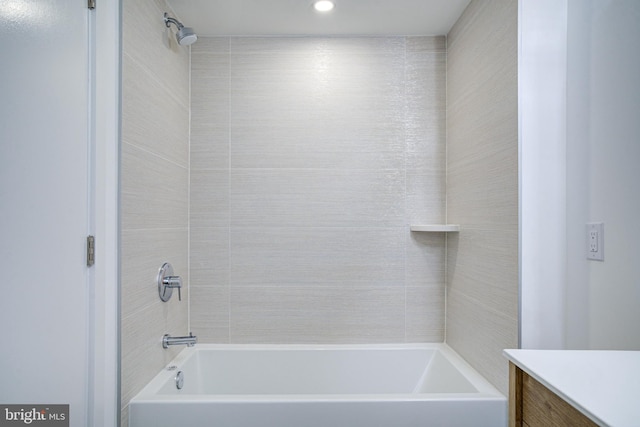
(531, 404)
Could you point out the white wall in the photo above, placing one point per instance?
(603, 153)
(587, 90)
(542, 130)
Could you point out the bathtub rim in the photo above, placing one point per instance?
(149, 394)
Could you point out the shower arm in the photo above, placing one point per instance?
(169, 20)
(185, 35)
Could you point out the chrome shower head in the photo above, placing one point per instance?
(185, 35)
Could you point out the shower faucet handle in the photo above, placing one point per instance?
(173, 282)
(167, 282)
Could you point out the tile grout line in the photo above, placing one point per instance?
(229, 188)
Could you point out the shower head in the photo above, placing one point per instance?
(185, 35)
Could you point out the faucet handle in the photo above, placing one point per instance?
(167, 282)
(173, 282)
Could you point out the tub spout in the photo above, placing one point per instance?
(189, 341)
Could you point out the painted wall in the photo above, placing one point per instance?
(310, 157)
(542, 84)
(603, 150)
(482, 186)
(579, 123)
(154, 190)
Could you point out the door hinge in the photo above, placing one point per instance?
(91, 4)
(91, 251)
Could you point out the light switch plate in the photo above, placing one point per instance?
(595, 241)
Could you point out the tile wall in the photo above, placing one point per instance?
(310, 157)
(154, 190)
(482, 186)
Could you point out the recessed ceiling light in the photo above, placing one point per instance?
(323, 5)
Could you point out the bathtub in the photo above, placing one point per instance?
(318, 386)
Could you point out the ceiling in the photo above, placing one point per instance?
(297, 17)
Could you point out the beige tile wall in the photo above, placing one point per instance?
(482, 186)
(154, 190)
(309, 159)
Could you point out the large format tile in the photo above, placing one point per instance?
(154, 191)
(142, 352)
(345, 257)
(143, 251)
(209, 202)
(151, 119)
(353, 45)
(317, 197)
(485, 194)
(425, 312)
(311, 139)
(209, 250)
(426, 197)
(154, 47)
(210, 313)
(483, 264)
(154, 187)
(211, 56)
(328, 106)
(315, 154)
(317, 315)
(210, 104)
(425, 113)
(480, 334)
(425, 259)
(482, 186)
(426, 44)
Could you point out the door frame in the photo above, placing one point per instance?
(103, 398)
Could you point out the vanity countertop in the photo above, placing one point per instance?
(603, 385)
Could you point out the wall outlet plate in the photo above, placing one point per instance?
(595, 241)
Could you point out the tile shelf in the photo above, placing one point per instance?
(436, 228)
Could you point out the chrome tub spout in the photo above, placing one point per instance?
(189, 341)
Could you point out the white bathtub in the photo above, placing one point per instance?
(319, 386)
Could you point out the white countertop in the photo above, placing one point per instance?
(603, 385)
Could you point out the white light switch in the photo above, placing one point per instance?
(595, 241)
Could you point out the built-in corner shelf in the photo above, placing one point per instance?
(436, 228)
